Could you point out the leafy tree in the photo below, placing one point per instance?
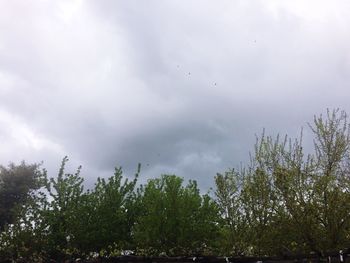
(258, 203)
(62, 220)
(16, 184)
(332, 181)
(109, 215)
(264, 203)
(65, 195)
(316, 190)
(26, 238)
(233, 225)
(284, 201)
(293, 202)
(175, 220)
(46, 222)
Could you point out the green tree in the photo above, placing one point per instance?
(295, 202)
(65, 195)
(271, 232)
(234, 225)
(109, 215)
(332, 191)
(316, 190)
(64, 221)
(175, 220)
(16, 184)
(258, 203)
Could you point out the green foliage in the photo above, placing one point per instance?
(233, 225)
(292, 202)
(16, 183)
(109, 214)
(285, 201)
(175, 219)
(316, 189)
(258, 204)
(62, 214)
(23, 237)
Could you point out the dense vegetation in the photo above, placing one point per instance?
(285, 201)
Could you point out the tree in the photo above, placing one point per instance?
(16, 183)
(284, 202)
(316, 190)
(293, 202)
(61, 215)
(109, 215)
(64, 221)
(234, 225)
(331, 195)
(175, 220)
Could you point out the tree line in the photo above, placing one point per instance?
(285, 201)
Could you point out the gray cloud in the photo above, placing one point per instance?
(180, 86)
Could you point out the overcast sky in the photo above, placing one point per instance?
(181, 86)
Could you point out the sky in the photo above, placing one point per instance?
(181, 86)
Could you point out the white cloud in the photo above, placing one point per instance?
(68, 9)
(118, 82)
(19, 139)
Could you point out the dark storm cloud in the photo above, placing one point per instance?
(180, 86)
